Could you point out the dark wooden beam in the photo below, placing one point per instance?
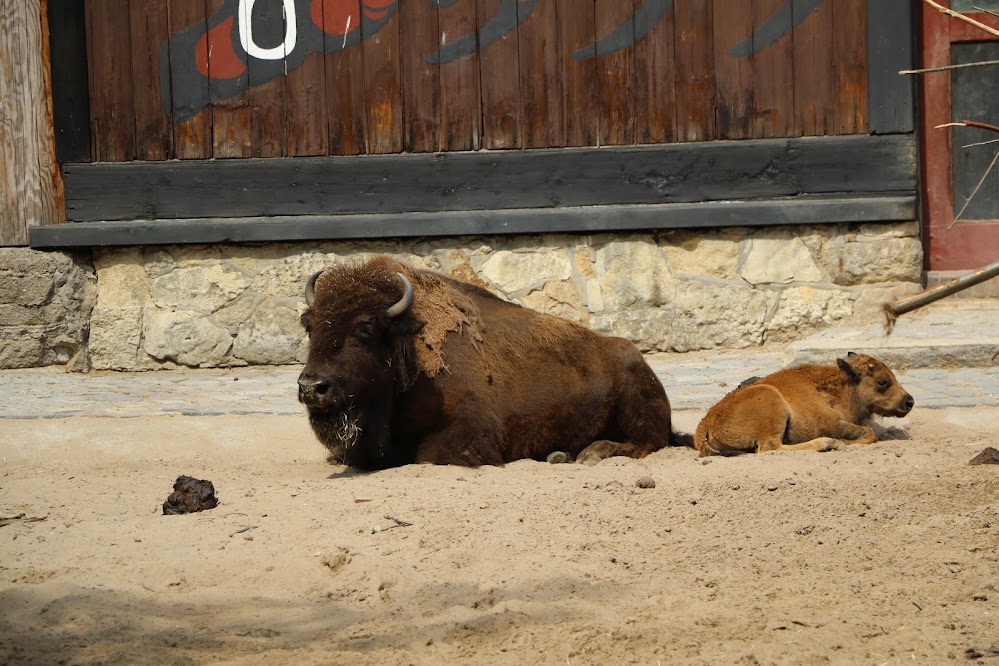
(70, 87)
(891, 31)
(493, 180)
(803, 210)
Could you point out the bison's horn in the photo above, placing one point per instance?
(406, 300)
(310, 288)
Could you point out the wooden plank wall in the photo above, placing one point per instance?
(381, 91)
(30, 188)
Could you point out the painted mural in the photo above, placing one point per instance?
(249, 42)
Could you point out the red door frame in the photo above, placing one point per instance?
(966, 244)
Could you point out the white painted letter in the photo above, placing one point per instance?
(246, 32)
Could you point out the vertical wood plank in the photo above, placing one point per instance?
(29, 194)
(499, 72)
(308, 117)
(891, 47)
(230, 113)
(655, 96)
(540, 80)
(461, 116)
(577, 30)
(51, 194)
(192, 138)
(421, 84)
(111, 91)
(149, 28)
(344, 64)
(383, 87)
(773, 79)
(813, 73)
(935, 144)
(70, 88)
(695, 84)
(850, 66)
(733, 23)
(615, 102)
(267, 99)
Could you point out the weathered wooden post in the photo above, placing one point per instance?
(30, 187)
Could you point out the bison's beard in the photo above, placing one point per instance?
(339, 433)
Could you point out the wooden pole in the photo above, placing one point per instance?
(894, 310)
(30, 187)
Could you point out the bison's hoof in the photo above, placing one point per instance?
(589, 458)
(830, 444)
(558, 457)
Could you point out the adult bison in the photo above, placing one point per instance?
(408, 365)
(805, 407)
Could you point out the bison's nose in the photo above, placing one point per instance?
(312, 391)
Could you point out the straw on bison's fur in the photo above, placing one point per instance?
(408, 365)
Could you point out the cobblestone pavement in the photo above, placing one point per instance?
(692, 381)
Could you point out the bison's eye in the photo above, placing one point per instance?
(883, 384)
(366, 331)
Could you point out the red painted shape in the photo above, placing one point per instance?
(377, 9)
(336, 17)
(214, 54)
(947, 245)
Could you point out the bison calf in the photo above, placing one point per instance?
(813, 407)
(409, 366)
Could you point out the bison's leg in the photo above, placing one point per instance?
(470, 441)
(640, 422)
(605, 448)
(841, 434)
(817, 444)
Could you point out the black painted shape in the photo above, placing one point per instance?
(506, 19)
(973, 96)
(186, 92)
(70, 88)
(635, 28)
(891, 28)
(782, 21)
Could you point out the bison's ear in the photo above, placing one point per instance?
(306, 320)
(849, 370)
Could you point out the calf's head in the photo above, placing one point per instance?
(353, 320)
(876, 388)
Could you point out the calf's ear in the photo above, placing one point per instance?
(849, 370)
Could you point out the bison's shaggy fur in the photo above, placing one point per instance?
(458, 376)
(813, 407)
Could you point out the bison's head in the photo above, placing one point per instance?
(354, 319)
(877, 389)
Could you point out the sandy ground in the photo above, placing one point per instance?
(881, 554)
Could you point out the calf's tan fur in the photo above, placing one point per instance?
(810, 407)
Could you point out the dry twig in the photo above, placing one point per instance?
(946, 68)
(19, 518)
(961, 17)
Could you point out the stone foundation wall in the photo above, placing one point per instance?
(45, 303)
(207, 306)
